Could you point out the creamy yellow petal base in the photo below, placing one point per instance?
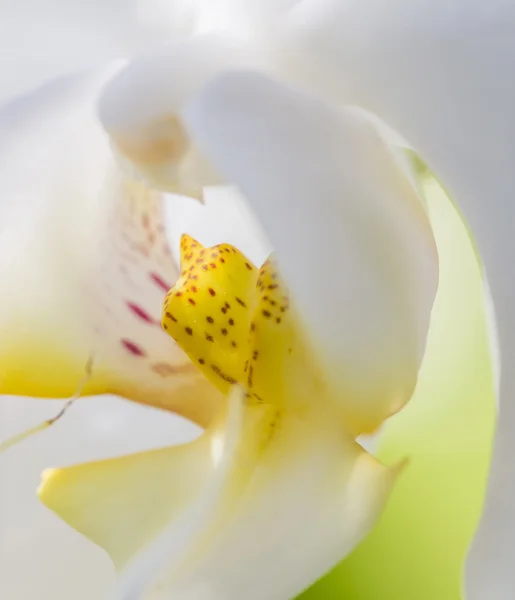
(138, 495)
(47, 367)
(122, 504)
(294, 498)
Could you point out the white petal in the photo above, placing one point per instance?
(178, 538)
(84, 261)
(353, 240)
(139, 109)
(41, 39)
(275, 537)
(240, 523)
(122, 504)
(440, 74)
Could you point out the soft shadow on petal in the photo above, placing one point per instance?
(85, 262)
(353, 240)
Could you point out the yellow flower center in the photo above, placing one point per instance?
(237, 324)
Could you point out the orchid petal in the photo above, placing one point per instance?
(438, 72)
(84, 262)
(226, 546)
(140, 111)
(43, 39)
(446, 430)
(317, 526)
(123, 503)
(359, 255)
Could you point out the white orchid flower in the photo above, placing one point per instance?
(276, 491)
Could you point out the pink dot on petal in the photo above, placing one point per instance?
(157, 279)
(133, 348)
(140, 312)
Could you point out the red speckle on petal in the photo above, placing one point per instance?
(158, 280)
(133, 348)
(140, 312)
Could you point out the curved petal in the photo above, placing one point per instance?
(42, 39)
(236, 546)
(84, 262)
(139, 109)
(440, 74)
(122, 504)
(255, 554)
(446, 430)
(358, 255)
